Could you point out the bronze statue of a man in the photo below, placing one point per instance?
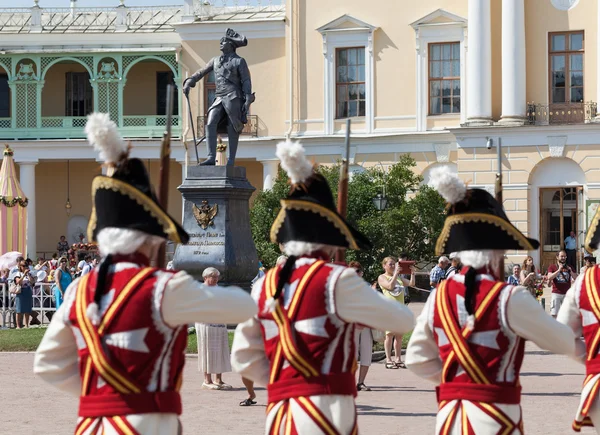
(229, 112)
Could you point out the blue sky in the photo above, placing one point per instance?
(86, 3)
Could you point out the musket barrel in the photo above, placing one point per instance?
(342, 204)
(165, 161)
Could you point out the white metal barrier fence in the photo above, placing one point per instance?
(43, 304)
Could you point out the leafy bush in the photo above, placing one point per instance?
(411, 223)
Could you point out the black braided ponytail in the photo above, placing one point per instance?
(285, 275)
(102, 277)
(470, 290)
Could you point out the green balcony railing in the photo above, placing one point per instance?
(71, 127)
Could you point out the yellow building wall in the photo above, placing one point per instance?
(267, 63)
(540, 19)
(139, 93)
(54, 90)
(394, 51)
(51, 196)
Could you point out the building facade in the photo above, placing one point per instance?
(446, 81)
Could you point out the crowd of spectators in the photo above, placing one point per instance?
(28, 287)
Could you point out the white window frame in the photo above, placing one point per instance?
(360, 36)
(427, 33)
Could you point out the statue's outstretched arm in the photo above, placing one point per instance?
(191, 81)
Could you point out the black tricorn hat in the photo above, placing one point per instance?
(475, 220)
(237, 39)
(309, 214)
(592, 238)
(125, 199)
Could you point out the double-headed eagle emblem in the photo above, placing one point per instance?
(205, 214)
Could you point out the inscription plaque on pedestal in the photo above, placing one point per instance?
(217, 217)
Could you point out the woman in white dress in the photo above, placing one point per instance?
(213, 344)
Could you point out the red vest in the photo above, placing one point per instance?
(481, 365)
(310, 348)
(132, 362)
(589, 308)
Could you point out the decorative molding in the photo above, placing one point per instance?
(429, 30)
(26, 73)
(214, 30)
(107, 72)
(395, 118)
(556, 145)
(442, 151)
(305, 121)
(359, 34)
(428, 20)
(334, 25)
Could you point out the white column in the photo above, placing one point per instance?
(270, 168)
(513, 62)
(479, 64)
(27, 181)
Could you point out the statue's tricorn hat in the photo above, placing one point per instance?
(235, 38)
(125, 199)
(475, 221)
(308, 214)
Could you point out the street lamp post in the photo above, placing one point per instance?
(380, 201)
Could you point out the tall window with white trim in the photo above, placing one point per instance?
(444, 78)
(350, 82)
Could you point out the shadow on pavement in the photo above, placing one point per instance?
(376, 410)
(538, 352)
(549, 374)
(552, 394)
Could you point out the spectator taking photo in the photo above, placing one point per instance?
(561, 275)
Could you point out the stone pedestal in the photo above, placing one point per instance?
(216, 215)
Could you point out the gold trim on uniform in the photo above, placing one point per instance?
(109, 183)
(480, 217)
(295, 204)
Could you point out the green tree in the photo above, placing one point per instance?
(411, 223)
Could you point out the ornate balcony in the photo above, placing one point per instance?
(556, 114)
(250, 129)
(71, 127)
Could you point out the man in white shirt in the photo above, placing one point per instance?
(87, 265)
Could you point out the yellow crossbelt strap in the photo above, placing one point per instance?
(458, 338)
(287, 346)
(118, 379)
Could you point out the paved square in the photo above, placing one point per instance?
(400, 403)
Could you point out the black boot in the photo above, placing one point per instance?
(210, 161)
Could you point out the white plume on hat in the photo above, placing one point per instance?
(294, 161)
(102, 133)
(447, 183)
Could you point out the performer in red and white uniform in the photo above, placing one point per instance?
(581, 312)
(119, 339)
(301, 345)
(470, 337)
